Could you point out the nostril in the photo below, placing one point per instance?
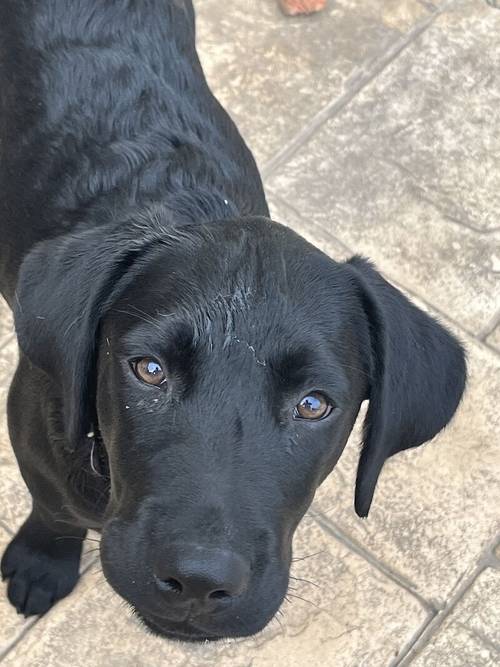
(219, 595)
(205, 575)
(171, 585)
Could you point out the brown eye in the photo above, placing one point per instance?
(149, 371)
(313, 406)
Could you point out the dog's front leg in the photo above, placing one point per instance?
(41, 563)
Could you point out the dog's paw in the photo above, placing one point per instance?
(37, 577)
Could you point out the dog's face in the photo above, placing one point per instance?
(225, 366)
(226, 392)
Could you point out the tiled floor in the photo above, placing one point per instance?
(376, 126)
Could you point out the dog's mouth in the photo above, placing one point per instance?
(230, 624)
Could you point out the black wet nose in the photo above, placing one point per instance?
(205, 575)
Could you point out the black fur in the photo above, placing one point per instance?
(134, 224)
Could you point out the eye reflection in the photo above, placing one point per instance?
(149, 370)
(314, 406)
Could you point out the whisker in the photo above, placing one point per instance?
(306, 581)
(102, 580)
(318, 553)
(91, 551)
(72, 537)
(293, 595)
(278, 620)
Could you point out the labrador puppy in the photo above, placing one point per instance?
(189, 371)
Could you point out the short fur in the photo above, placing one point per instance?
(134, 224)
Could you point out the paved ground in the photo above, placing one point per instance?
(376, 126)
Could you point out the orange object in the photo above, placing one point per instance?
(295, 7)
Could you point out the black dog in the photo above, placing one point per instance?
(190, 371)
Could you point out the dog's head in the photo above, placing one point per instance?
(224, 366)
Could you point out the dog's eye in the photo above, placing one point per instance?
(149, 370)
(313, 406)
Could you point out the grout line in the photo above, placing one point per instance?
(430, 6)
(6, 528)
(435, 624)
(486, 560)
(424, 195)
(489, 328)
(441, 314)
(491, 559)
(286, 205)
(490, 347)
(492, 645)
(356, 82)
(436, 310)
(332, 528)
(406, 648)
(273, 196)
(6, 648)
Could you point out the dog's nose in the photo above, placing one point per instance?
(207, 576)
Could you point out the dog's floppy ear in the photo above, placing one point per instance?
(418, 375)
(65, 286)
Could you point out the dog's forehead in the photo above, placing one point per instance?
(229, 267)
(252, 291)
(236, 316)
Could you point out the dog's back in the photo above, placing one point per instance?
(104, 108)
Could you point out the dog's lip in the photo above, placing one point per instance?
(180, 629)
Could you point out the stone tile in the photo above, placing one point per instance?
(407, 172)
(342, 619)
(6, 324)
(471, 634)
(12, 624)
(273, 73)
(453, 124)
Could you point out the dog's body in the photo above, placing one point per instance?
(135, 242)
(105, 107)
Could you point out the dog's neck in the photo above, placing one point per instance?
(194, 183)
